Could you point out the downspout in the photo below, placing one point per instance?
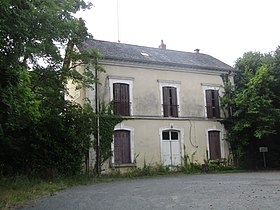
(98, 155)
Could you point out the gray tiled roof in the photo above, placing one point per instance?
(132, 53)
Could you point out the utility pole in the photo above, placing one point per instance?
(118, 21)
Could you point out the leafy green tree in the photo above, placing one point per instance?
(41, 132)
(254, 105)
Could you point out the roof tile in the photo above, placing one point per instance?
(134, 53)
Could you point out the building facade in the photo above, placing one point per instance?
(171, 102)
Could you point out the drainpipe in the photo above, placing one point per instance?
(98, 156)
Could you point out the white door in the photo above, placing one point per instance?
(170, 148)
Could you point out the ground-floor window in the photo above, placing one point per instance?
(214, 145)
(170, 148)
(122, 148)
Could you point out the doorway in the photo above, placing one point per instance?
(170, 148)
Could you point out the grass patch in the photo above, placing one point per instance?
(16, 191)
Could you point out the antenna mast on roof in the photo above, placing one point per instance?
(118, 22)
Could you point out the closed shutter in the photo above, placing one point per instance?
(121, 99)
(214, 145)
(125, 100)
(174, 105)
(166, 102)
(117, 98)
(209, 106)
(170, 104)
(122, 152)
(126, 158)
(216, 104)
(117, 147)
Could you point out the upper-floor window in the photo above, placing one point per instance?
(170, 103)
(169, 97)
(121, 94)
(212, 103)
(121, 99)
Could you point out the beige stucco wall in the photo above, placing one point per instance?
(147, 122)
(75, 94)
(146, 139)
(146, 89)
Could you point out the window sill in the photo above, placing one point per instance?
(213, 118)
(170, 116)
(125, 165)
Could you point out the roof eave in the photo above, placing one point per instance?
(169, 64)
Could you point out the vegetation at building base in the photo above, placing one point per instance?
(20, 190)
(188, 167)
(253, 104)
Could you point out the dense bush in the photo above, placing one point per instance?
(40, 132)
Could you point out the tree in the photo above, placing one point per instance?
(41, 132)
(254, 104)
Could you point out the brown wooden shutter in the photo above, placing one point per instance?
(126, 147)
(122, 152)
(214, 145)
(209, 106)
(125, 104)
(174, 104)
(117, 147)
(216, 104)
(117, 98)
(166, 102)
(170, 104)
(121, 99)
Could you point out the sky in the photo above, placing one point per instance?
(224, 29)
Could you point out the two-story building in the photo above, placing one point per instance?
(171, 101)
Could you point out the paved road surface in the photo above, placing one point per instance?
(208, 191)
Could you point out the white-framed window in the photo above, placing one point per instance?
(123, 145)
(121, 93)
(211, 100)
(169, 98)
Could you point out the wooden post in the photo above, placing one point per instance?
(263, 150)
(264, 161)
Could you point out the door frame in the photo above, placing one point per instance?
(181, 140)
(221, 142)
(131, 130)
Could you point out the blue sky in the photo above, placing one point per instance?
(224, 29)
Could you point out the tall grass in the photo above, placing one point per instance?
(16, 191)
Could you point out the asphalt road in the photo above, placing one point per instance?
(208, 191)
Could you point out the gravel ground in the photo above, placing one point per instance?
(258, 190)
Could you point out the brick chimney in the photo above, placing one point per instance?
(162, 45)
(196, 50)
